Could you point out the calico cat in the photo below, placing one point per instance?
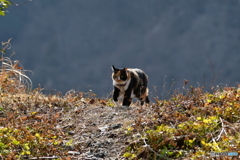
(129, 83)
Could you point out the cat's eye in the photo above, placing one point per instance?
(121, 76)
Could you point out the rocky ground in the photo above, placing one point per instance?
(99, 132)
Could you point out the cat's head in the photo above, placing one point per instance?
(120, 76)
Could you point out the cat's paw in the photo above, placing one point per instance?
(126, 107)
(123, 108)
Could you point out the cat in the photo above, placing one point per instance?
(129, 83)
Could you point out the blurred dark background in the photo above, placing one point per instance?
(71, 44)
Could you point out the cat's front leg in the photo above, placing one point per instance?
(116, 93)
(127, 102)
(127, 98)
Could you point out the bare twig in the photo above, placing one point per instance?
(168, 92)
(7, 65)
(6, 45)
(222, 130)
(204, 84)
(21, 3)
(213, 71)
(215, 142)
(54, 157)
(148, 146)
(214, 75)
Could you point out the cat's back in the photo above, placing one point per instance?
(138, 73)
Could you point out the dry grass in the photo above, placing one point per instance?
(12, 74)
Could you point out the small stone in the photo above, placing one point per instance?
(112, 135)
(103, 128)
(123, 108)
(98, 144)
(71, 133)
(73, 153)
(100, 155)
(115, 126)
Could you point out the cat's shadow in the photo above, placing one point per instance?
(122, 108)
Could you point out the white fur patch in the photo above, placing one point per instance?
(117, 104)
(132, 95)
(127, 84)
(116, 83)
(122, 88)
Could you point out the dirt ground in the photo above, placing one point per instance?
(99, 132)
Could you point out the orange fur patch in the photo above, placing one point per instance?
(116, 77)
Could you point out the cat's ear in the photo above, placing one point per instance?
(114, 69)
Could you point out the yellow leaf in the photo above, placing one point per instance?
(206, 120)
(203, 142)
(53, 137)
(55, 143)
(15, 142)
(209, 100)
(26, 146)
(222, 96)
(191, 141)
(130, 128)
(127, 154)
(33, 113)
(37, 135)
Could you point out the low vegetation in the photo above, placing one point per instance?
(191, 124)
